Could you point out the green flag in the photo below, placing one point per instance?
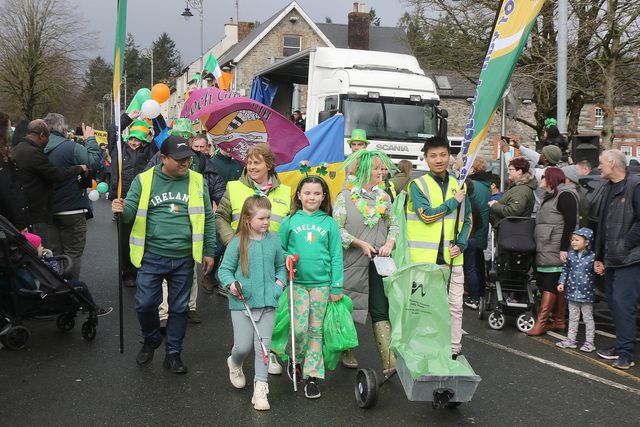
(212, 66)
(118, 63)
(509, 36)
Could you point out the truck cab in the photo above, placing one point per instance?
(386, 94)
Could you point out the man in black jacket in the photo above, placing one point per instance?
(618, 253)
(38, 176)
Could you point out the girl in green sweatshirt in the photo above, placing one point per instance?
(312, 234)
(253, 268)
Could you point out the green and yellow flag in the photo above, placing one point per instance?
(510, 33)
(118, 63)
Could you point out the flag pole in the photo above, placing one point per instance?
(118, 62)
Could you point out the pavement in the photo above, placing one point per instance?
(60, 380)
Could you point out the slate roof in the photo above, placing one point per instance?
(460, 87)
(383, 39)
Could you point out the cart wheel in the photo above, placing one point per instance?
(482, 306)
(16, 338)
(496, 320)
(88, 330)
(366, 388)
(525, 322)
(66, 322)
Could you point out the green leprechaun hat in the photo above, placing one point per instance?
(358, 135)
(139, 129)
(182, 127)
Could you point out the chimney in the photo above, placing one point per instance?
(358, 28)
(245, 28)
(231, 31)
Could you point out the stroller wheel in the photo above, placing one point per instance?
(66, 322)
(366, 388)
(16, 338)
(525, 322)
(482, 309)
(496, 320)
(88, 330)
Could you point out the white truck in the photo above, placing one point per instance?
(387, 94)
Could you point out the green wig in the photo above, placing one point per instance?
(364, 159)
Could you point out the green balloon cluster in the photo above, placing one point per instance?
(102, 188)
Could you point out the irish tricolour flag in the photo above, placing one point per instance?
(212, 66)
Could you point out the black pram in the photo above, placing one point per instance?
(510, 290)
(29, 288)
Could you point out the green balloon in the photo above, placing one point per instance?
(103, 187)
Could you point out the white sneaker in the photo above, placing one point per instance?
(274, 366)
(259, 399)
(236, 376)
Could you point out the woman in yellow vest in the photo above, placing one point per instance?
(432, 210)
(258, 177)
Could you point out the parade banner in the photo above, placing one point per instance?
(235, 123)
(324, 156)
(118, 63)
(514, 21)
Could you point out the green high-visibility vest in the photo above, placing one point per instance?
(280, 198)
(196, 217)
(424, 239)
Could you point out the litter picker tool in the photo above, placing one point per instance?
(290, 264)
(265, 353)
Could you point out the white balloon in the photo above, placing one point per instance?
(150, 109)
(94, 195)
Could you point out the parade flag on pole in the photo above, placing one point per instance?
(212, 66)
(118, 62)
(509, 36)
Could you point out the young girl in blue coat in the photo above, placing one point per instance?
(253, 265)
(578, 281)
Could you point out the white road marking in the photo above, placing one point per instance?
(557, 365)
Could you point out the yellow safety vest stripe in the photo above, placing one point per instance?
(280, 198)
(424, 238)
(195, 209)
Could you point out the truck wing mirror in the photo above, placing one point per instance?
(326, 115)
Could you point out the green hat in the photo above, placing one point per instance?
(183, 128)
(359, 135)
(139, 129)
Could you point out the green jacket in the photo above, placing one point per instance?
(168, 225)
(518, 200)
(316, 239)
(266, 264)
(481, 197)
(223, 214)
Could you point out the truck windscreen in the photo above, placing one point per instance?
(390, 120)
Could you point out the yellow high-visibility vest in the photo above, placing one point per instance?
(280, 199)
(424, 239)
(196, 217)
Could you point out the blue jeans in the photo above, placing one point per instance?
(622, 286)
(178, 273)
(474, 273)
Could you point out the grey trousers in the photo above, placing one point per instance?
(244, 338)
(68, 236)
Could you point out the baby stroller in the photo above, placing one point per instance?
(29, 288)
(510, 289)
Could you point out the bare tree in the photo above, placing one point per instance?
(40, 47)
(603, 45)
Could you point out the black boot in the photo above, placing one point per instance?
(145, 355)
(173, 362)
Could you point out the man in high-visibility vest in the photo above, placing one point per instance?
(438, 226)
(173, 227)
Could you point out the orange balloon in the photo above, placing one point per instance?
(160, 92)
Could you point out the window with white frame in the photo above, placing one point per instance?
(598, 117)
(292, 44)
(626, 150)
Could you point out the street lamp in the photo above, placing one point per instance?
(198, 5)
